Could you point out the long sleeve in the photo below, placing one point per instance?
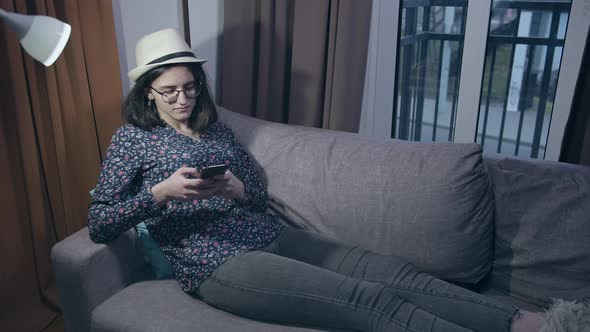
(120, 201)
(256, 195)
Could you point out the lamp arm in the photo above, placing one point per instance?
(19, 23)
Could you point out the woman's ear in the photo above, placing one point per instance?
(149, 96)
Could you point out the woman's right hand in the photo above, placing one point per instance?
(179, 187)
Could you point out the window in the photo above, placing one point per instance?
(497, 72)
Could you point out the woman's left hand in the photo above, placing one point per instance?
(229, 186)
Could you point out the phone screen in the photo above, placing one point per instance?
(211, 171)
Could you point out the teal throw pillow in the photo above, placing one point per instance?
(151, 250)
(160, 264)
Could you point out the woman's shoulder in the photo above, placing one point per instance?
(220, 129)
(129, 131)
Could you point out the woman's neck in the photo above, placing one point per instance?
(183, 128)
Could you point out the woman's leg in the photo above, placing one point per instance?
(441, 298)
(265, 286)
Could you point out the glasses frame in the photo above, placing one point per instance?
(198, 86)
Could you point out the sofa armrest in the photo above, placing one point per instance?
(541, 229)
(88, 273)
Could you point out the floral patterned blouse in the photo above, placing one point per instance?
(195, 236)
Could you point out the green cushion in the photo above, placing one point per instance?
(157, 260)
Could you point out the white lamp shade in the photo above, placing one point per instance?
(42, 37)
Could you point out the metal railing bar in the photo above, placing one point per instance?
(505, 103)
(414, 90)
(456, 88)
(504, 107)
(524, 94)
(429, 36)
(455, 97)
(421, 3)
(562, 5)
(493, 51)
(421, 79)
(436, 103)
(525, 40)
(415, 3)
(488, 136)
(407, 51)
(496, 39)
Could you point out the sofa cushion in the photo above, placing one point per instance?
(430, 203)
(160, 305)
(542, 246)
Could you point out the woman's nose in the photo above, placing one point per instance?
(182, 99)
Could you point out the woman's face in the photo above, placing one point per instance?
(174, 78)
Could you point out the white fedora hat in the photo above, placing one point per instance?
(161, 48)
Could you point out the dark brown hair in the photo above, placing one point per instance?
(137, 112)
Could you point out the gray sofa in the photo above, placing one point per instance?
(514, 230)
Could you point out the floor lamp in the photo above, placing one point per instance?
(42, 37)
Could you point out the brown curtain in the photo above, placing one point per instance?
(55, 124)
(576, 142)
(300, 62)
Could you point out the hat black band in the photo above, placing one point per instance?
(171, 56)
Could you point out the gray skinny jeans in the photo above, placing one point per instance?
(304, 278)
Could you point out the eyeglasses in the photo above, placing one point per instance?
(171, 96)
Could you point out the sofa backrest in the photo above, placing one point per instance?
(430, 203)
(542, 230)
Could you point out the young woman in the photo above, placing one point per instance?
(225, 249)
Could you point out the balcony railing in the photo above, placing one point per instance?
(522, 60)
(424, 46)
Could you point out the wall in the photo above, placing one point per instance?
(206, 24)
(136, 18)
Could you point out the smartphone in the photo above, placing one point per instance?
(211, 171)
